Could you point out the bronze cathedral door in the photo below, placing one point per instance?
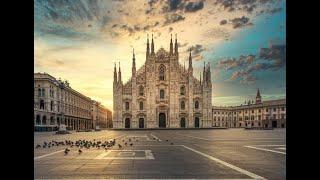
(162, 120)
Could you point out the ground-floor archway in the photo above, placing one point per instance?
(162, 120)
(196, 122)
(183, 122)
(127, 123)
(141, 123)
(274, 124)
(38, 121)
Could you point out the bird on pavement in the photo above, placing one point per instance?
(66, 151)
(80, 151)
(119, 146)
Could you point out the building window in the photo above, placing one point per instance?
(252, 117)
(141, 91)
(246, 112)
(43, 92)
(161, 94)
(41, 104)
(214, 118)
(182, 105)
(222, 112)
(51, 105)
(39, 92)
(274, 109)
(127, 105)
(214, 113)
(259, 110)
(267, 110)
(162, 71)
(274, 116)
(141, 105)
(282, 108)
(182, 90)
(196, 104)
(252, 111)
(259, 117)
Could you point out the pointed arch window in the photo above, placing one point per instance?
(141, 91)
(162, 70)
(161, 94)
(182, 90)
(182, 105)
(196, 105)
(141, 105)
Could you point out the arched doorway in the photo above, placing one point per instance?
(127, 123)
(44, 120)
(183, 122)
(162, 120)
(196, 122)
(38, 121)
(141, 123)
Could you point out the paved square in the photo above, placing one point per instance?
(126, 154)
(165, 154)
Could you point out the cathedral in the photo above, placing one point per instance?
(162, 93)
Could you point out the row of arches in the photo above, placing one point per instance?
(71, 123)
(162, 122)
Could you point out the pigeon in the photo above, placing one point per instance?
(167, 140)
(38, 146)
(80, 151)
(171, 143)
(66, 151)
(125, 143)
(119, 146)
(131, 144)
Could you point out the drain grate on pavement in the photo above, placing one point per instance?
(126, 154)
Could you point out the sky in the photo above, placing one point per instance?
(244, 41)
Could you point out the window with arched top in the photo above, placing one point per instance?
(41, 104)
(141, 90)
(141, 105)
(161, 94)
(162, 71)
(196, 105)
(182, 90)
(127, 105)
(182, 105)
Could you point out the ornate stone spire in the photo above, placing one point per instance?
(133, 63)
(148, 48)
(171, 45)
(115, 73)
(152, 45)
(176, 46)
(119, 74)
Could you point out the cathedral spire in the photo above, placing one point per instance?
(119, 74)
(115, 73)
(171, 45)
(152, 45)
(148, 48)
(200, 78)
(176, 46)
(190, 59)
(258, 97)
(133, 63)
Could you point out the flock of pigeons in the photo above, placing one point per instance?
(87, 144)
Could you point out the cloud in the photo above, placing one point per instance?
(223, 22)
(240, 22)
(268, 59)
(182, 5)
(196, 52)
(173, 18)
(194, 6)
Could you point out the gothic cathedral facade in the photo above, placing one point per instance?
(162, 93)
